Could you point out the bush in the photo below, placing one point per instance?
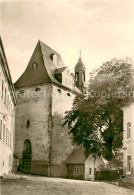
(108, 175)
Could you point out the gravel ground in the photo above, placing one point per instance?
(36, 185)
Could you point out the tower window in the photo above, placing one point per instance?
(37, 89)
(83, 76)
(54, 58)
(59, 91)
(76, 76)
(35, 66)
(28, 124)
(68, 94)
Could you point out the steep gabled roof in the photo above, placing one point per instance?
(46, 71)
(38, 76)
(77, 157)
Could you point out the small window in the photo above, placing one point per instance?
(129, 164)
(59, 91)
(68, 94)
(76, 170)
(37, 89)
(54, 58)
(35, 66)
(90, 171)
(128, 130)
(28, 124)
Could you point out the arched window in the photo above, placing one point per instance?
(76, 76)
(83, 76)
(27, 146)
(28, 124)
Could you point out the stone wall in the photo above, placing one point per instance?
(61, 141)
(35, 107)
(51, 143)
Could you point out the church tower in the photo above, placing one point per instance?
(45, 91)
(80, 76)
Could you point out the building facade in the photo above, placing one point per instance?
(128, 142)
(8, 103)
(45, 91)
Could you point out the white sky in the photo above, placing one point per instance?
(102, 29)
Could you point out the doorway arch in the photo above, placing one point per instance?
(27, 156)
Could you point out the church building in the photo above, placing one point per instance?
(45, 91)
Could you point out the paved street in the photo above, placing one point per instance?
(35, 185)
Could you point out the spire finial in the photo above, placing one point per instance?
(80, 53)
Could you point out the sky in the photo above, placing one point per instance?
(101, 29)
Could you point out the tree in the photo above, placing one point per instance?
(96, 121)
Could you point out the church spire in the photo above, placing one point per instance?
(80, 74)
(80, 63)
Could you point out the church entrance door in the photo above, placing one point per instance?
(27, 156)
